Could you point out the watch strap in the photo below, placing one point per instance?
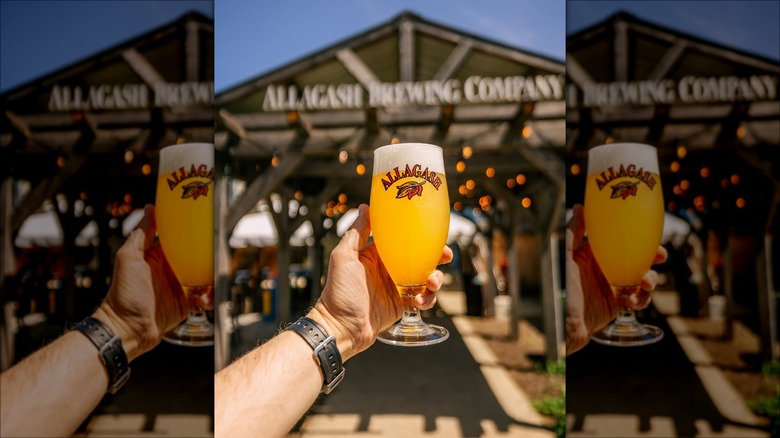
(110, 350)
(325, 351)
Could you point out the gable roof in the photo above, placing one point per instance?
(407, 79)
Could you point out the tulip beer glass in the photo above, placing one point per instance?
(185, 225)
(624, 214)
(410, 217)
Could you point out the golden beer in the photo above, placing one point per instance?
(624, 215)
(624, 228)
(185, 225)
(409, 232)
(410, 218)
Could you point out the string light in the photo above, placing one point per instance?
(490, 172)
(526, 202)
(575, 169)
(460, 166)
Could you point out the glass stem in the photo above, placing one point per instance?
(197, 316)
(411, 313)
(625, 316)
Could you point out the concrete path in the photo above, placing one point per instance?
(666, 389)
(453, 389)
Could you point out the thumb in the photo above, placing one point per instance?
(142, 237)
(357, 236)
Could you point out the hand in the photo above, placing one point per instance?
(360, 299)
(590, 303)
(145, 300)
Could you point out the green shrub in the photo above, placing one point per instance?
(556, 408)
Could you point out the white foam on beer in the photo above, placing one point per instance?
(389, 157)
(186, 154)
(601, 158)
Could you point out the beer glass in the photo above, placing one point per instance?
(410, 217)
(624, 214)
(185, 225)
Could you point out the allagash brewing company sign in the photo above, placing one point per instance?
(689, 89)
(131, 96)
(475, 89)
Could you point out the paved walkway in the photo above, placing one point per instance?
(453, 389)
(170, 393)
(666, 389)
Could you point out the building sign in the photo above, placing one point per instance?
(689, 89)
(475, 89)
(109, 97)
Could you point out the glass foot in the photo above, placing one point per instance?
(631, 335)
(414, 336)
(190, 333)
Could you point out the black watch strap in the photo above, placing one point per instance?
(110, 351)
(325, 351)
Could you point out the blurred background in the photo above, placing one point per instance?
(90, 92)
(698, 81)
(304, 94)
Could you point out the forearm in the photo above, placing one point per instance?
(52, 391)
(265, 392)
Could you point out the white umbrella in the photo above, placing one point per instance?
(676, 230)
(41, 229)
(258, 229)
(461, 229)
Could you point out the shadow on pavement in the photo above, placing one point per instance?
(435, 381)
(650, 381)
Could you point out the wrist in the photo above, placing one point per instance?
(111, 320)
(344, 342)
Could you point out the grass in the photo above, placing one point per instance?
(555, 406)
(769, 406)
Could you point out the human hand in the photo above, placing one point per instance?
(590, 303)
(360, 299)
(145, 299)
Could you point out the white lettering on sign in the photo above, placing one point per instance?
(130, 96)
(474, 89)
(690, 89)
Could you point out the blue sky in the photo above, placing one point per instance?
(751, 26)
(253, 37)
(39, 37)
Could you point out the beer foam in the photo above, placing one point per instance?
(602, 157)
(402, 154)
(186, 154)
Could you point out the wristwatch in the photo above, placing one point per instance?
(110, 351)
(325, 352)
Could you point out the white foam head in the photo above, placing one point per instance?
(399, 155)
(186, 154)
(602, 157)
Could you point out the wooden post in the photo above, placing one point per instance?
(221, 266)
(282, 222)
(767, 313)
(6, 271)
